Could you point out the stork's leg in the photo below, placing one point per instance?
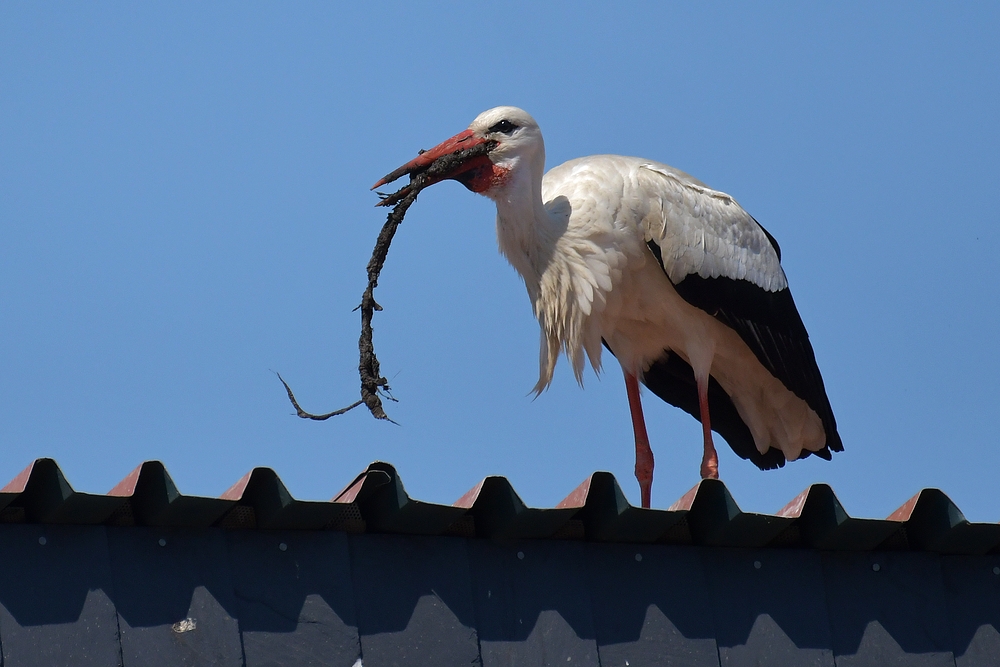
(710, 461)
(643, 454)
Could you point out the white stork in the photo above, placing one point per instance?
(680, 284)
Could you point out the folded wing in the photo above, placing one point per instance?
(722, 261)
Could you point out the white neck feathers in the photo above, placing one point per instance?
(566, 276)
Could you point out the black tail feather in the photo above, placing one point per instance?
(672, 379)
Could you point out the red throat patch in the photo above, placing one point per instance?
(480, 174)
(487, 177)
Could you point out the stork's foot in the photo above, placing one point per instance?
(643, 454)
(644, 472)
(710, 461)
(710, 466)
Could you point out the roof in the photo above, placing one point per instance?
(376, 502)
(145, 575)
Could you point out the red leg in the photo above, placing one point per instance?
(710, 461)
(643, 454)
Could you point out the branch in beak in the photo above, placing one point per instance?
(450, 159)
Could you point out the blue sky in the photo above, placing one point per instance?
(184, 208)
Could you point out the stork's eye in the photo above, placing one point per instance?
(504, 126)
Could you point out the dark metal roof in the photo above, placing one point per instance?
(376, 502)
(145, 575)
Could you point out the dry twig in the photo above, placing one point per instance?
(373, 385)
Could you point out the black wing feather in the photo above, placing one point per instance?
(770, 325)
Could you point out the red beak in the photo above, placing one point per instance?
(465, 172)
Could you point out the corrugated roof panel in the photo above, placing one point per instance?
(41, 494)
(500, 513)
(375, 501)
(716, 520)
(934, 523)
(386, 507)
(152, 499)
(607, 515)
(824, 524)
(273, 507)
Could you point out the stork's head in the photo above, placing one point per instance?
(517, 152)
